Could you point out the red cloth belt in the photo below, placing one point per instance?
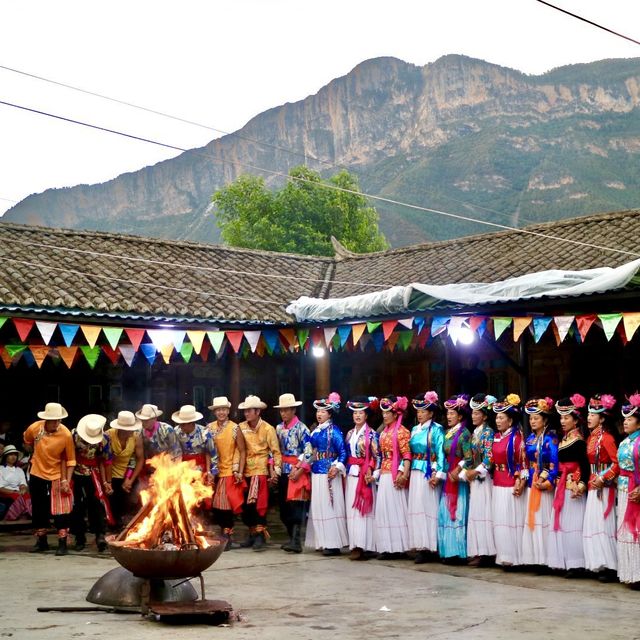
(558, 501)
(290, 459)
(357, 461)
(631, 518)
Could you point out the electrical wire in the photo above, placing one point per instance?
(325, 185)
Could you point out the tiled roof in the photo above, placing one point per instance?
(89, 273)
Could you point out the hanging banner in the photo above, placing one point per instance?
(260, 348)
(253, 338)
(91, 333)
(235, 339)
(39, 354)
(166, 351)
(91, 354)
(149, 351)
(419, 323)
(356, 331)
(271, 339)
(453, 328)
(3, 319)
(519, 325)
(128, 352)
(406, 322)
(378, 340)
(372, 326)
(135, 337)
(631, 323)
(540, 325)
(186, 351)
(216, 338)
(439, 324)
(14, 349)
(112, 354)
(68, 355)
(499, 326)
(46, 330)
(392, 341)
(196, 338)
(388, 327)
(584, 324)
(6, 358)
(329, 332)
(112, 334)
(23, 327)
(404, 339)
(344, 332)
(290, 337)
(610, 322)
(206, 347)
(68, 332)
(303, 334)
(563, 324)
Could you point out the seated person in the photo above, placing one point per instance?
(14, 497)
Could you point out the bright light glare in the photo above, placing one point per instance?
(466, 335)
(317, 352)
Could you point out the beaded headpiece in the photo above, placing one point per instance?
(509, 404)
(601, 403)
(330, 403)
(482, 402)
(632, 407)
(571, 405)
(538, 405)
(428, 401)
(397, 406)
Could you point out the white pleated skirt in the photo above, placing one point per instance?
(509, 513)
(480, 525)
(422, 514)
(628, 550)
(360, 528)
(391, 531)
(534, 542)
(327, 524)
(598, 533)
(564, 547)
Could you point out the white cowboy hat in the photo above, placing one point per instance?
(287, 401)
(53, 411)
(90, 428)
(126, 421)
(220, 402)
(252, 402)
(186, 414)
(10, 449)
(148, 412)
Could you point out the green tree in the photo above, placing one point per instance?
(299, 218)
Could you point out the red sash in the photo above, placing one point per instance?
(558, 501)
(631, 520)
(258, 493)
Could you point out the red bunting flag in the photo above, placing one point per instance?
(135, 337)
(235, 339)
(387, 328)
(23, 327)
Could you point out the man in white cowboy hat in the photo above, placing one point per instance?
(196, 441)
(230, 485)
(91, 481)
(14, 492)
(294, 484)
(126, 462)
(52, 463)
(262, 446)
(157, 437)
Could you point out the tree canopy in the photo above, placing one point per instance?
(300, 217)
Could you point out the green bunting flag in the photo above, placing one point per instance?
(186, 351)
(404, 339)
(372, 326)
(610, 322)
(113, 335)
(303, 335)
(14, 349)
(91, 354)
(499, 325)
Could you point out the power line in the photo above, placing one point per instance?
(325, 185)
(8, 199)
(595, 24)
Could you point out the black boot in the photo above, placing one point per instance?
(101, 543)
(608, 575)
(250, 541)
(294, 545)
(62, 547)
(260, 544)
(286, 545)
(41, 545)
(80, 543)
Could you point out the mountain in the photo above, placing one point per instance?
(459, 135)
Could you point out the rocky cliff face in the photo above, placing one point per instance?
(458, 135)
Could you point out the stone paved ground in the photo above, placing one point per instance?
(281, 596)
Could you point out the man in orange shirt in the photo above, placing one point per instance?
(52, 464)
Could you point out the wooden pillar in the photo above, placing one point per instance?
(323, 376)
(235, 380)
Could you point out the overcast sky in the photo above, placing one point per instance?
(219, 63)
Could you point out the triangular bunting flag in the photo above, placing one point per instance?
(499, 325)
(563, 324)
(91, 354)
(344, 332)
(419, 322)
(166, 350)
(540, 325)
(260, 348)
(235, 339)
(23, 327)
(135, 337)
(149, 351)
(387, 328)
(252, 338)
(378, 340)
(68, 355)
(177, 338)
(357, 331)
(14, 349)
(290, 336)
(622, 333)
(423, 338)
(439, 324)
(519, 325)
(406, 322)
(68, 332)
(372, 326)
(609, 323)
(393, 340)
(160, 337)
(584, 324)
(6, 358)
(475, 322)
(454, 326)
(128, 352)
(329, 332)
(112, 354)
(27, 357)
(39, 353)
(3, 319)
(216, 338)
(91, 333)
(556, 333)
(271, 340)
(186, 351)
(364, 341)
(404, 339)
(112, 334)
(46, 330)
(196, 338)
(631, 323)
(317, 338)
(206, 348)
(303, 334)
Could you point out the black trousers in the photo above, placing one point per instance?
(223, 518)
(250, 515)
(40, 490)
(85, 502)
(291, 511)
(119, 501)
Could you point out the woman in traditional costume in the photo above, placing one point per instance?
(599, 532)
(454, 505)
(480, 545)
(392, 533)
(363, 460)
(326, 458)
(540, 472)
(565, 549)
(427, 474)
(629, 496)
(509, 507)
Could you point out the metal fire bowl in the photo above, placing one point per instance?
(162, 564)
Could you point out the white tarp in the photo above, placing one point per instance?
(553, 283)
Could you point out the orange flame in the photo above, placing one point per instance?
(176, 489)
